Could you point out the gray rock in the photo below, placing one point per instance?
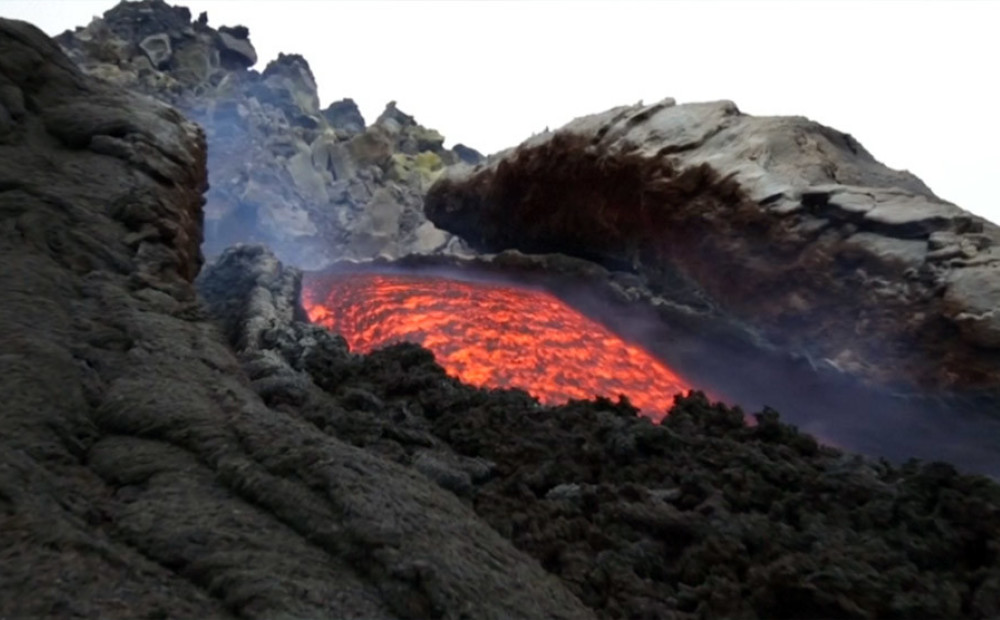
(467, 155)
(134, 21)
(972, 301)
(240, 50)
(157, 49)
(291, 73)
(194, 61)
(428, 238)
(313, 171)
(917, 217)
(802, 234)
(444, 474)
(565, 492)
(907, 254)
(328, 154)
(346, 116)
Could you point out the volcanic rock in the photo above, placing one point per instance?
(700, 516)
(345, 116)
(141, 475)
(157, 48)
(787, 225)
(281, 171)
(235, 46)
(467, 155)
(172, 453)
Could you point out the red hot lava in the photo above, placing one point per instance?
(494, 336)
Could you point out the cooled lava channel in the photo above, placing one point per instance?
(493, 335)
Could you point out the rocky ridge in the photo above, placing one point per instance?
(782, 223)
(314, 184)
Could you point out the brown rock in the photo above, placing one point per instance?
(752, 211)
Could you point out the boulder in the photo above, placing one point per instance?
(236, 47)
(291, 73)
(134, 21)
(393, 119)
(157, 49)
(195, 61)
(344, 115)
(467, 155)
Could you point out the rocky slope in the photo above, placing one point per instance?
(781, 223)
(141, 476)
(314, 184)
(167, 452)
(703, 516)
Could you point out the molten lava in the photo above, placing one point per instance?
(493, 336)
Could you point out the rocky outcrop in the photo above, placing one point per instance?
(315, 184)
(141, 474)
(786, 225)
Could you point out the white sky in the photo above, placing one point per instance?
(915, 82)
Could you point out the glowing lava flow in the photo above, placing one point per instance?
(493, 335)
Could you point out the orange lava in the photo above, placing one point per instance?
(493, 335)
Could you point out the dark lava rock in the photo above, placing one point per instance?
(702, 516)
(141, 474)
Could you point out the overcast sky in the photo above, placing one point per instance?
(915, 82)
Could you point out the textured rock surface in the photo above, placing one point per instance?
(165, 457)
(700, 517)
(783, 223)
(282, 171)
(141, 475)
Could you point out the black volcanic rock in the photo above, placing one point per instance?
(701, 516)
(141, 475)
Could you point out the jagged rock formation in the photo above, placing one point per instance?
(782, 223)
(316, 185)
(141, 476)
